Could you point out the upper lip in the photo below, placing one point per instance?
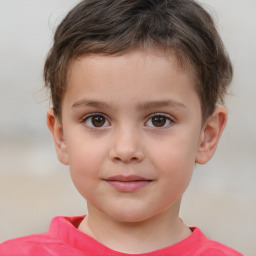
(126, 178)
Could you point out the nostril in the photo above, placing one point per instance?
(126, 159)
(126, 156)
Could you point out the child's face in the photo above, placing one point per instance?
(131, 132)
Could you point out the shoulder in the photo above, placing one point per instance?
(27, 245)
(39, 244)
(210, 247)
(48, 243)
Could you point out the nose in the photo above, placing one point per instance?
(126, 147)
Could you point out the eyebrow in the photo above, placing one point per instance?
(91, 103)
(140, 106)
(161, 103)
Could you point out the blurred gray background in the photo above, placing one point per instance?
(34, 186)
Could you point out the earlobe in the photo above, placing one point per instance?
(210, 134)
(58, 137)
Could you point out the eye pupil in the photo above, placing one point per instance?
(98, 121)
(159, 121)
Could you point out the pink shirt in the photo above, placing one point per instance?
(63, 238)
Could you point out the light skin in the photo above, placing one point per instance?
(131, 132)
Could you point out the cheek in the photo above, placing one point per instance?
(176, 172)
(176, 153)
(85, 160)
(84, 153)
(175, 159)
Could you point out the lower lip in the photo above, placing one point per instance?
(128, 186)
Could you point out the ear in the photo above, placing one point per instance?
(56, 130)
(210, 134)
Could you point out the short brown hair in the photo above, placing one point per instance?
(117, 26)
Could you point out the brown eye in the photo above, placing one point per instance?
(158, 121)
(96, 121)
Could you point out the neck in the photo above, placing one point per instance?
(152, 234)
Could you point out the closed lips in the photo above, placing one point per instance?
(127, 183)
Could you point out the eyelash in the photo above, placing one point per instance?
(167, 118)
(89, 117)
(91, 126)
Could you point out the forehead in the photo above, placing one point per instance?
(145, 60)
(130, 79)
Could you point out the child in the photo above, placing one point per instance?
(136, 88)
